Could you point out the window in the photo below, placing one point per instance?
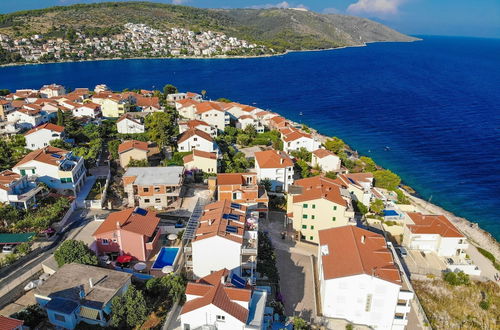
(32, 144)
(157, 200)
(312, 227)
(304, 206)
(314, 206)
(304, 227)
(157, 189)
(59, 317)
(311, 238)
(335, 208)
(146, 200)
(221, 318)
(104, 241)
(312, 217)
(187, 326)
(368, 304)
(33, 171)
(195, 139)
(66, 180)
(23, 172)
(145, 189)
(334, 218)
(304, 216)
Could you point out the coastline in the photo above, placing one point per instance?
(476, 235)
(218, 57)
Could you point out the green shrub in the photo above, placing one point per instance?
(484, 304)
(456, 279)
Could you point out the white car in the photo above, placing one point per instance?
(7, 249)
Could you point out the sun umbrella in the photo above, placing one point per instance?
(172, 237)
(124, 259)
(167, 269)
(140, 266)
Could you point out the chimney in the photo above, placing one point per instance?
(91, 283)
(363, 239)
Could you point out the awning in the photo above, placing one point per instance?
(124, 259)
(89, 313)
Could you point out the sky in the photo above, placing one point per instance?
(475, 18)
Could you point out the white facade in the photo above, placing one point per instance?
(328, 163)
(41, 138)
(215, 118)
(197, 142)
(26, 120)
(53, 90)
(364, 299)
(227, 252)
(212, 315)
(310, 144)
(86, 111)
(183, 126)
(280, 178)
(247, 120)
(442, 246)
(188, 111)
(129, 126)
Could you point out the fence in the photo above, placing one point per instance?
(99, 203)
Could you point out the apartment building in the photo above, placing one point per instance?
(275, 166)
(242, 188)
(40, 136)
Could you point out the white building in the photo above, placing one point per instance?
(249, 120)
(40, 136)
(89, 109)
(199, 125)
(434, 233)
(25, 118)
(196, 139)
(359, 185)
(212, 113)
(220, 301)
(186, 108)
(294, 139)
(58, 168)
(127, 124)
(275, 166)
(53, 90)
(359, 281)
(222, 233)
(327, 160)
(16, 190)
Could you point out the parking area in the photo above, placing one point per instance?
(424, 263)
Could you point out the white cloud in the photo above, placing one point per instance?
(331, 11)
(179, 2)
(377, 8)
(283, 4)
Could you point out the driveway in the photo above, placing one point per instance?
(295, 267)
(488, 271)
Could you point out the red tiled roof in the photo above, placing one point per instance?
(296, 134)
(44, 155)
(132, 144)
(195, 123)
(148, 101)
(207, 106)
(432, 224)
(130, 221)
(319, 187)
(7, 177)
(232, 178)
(212, 290)
(193, 131)
(204, 154)
(322, 153)
(187, 102)
(8, 323)
(354, 251)
(48, 126)
(273, 159)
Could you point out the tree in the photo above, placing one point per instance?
(113, 148)
(386, 179)
(360, 207)
(138, 163)
(377, 206)
(60, 117)
(331, 175)
(32, 315)
(169, 89)
(369, 164)
(203, 93)
(335, 145)
(223, 99)
(129, 310)
(299, 323)
(303, 168)
(171, 286)
(75, 251)
(243, 139)
(402, 199)
(266, 183)
(456, 279)
(161, 128)
(9, 214)
(250, 131)
(58, 143)
(302, 153)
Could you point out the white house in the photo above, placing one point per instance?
(196, 139)
(89, 109)
(186, 108)
(40, 136)
(249, 120)
(222, 233)
(359, 186)
(434, 233)
(359, 281)
(17, 190)
(294, 139)
(53, 90)
(25, 118)
(212, 113)
(127, 124)
(276, 166)
(327, 160)
(58, 168)
(199, 125)
(221, 301)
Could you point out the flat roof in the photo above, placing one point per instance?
(16, 238)
(256, 309)
(169, 175)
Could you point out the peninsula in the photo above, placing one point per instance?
(152, 30)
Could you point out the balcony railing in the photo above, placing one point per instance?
(249, 251)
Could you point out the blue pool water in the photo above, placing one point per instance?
(166, 257)
(434, 103)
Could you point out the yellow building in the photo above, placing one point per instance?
(201, 160)
(112, 105)
(132, 149)
(318, 203)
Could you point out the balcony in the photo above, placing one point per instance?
(188, 250)
(249, 251)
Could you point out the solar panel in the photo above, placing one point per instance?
(225, 216)
(231, 229)
(233, 217)
(56, 156)
(235, 206)
(141, 211)
(238, 281)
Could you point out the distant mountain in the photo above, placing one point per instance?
(280, 29)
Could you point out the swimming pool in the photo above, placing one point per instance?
(166, 257)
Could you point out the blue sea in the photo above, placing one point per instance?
(434, 103)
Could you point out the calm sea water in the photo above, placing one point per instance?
(435, 104)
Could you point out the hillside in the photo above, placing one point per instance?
(279, 29)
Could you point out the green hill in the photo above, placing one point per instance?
(279, 29)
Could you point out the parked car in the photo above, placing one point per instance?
(8, 249)
(402, 252)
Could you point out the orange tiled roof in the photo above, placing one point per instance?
(319, 187)
(273, 159)
(432, 224)
(208, 106)
(49, 126)
(130, 221)
(191, 132)
(232, 178)
(212, 290)
(322, 153)
(132, 144)
(44, 155)
(8, 323)
(7, 177)
(354, 251)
